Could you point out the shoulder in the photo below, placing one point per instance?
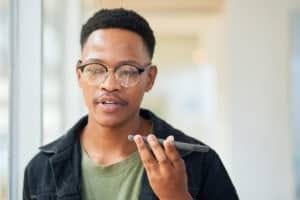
(38, 164)
(38, 175)
(40, 161)
(207, 176)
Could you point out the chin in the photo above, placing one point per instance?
(110, 121)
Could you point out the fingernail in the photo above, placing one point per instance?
(151, 138)
(138, 139)
(170, 139)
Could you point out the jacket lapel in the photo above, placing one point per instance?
(146, 192)
(66, 171)
(65, 162)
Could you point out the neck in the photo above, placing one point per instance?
(110, 144)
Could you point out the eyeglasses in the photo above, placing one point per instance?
(127, 74)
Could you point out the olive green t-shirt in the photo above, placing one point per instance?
(119, 181)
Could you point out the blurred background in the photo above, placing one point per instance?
(229, 75)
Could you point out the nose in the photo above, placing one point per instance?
(110, 83)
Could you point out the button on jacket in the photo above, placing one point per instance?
(55, 172)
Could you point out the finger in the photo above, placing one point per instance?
(158, 150)
(172, 153)
(146, 156)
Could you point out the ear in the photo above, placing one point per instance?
(151, 77)
(79, 77)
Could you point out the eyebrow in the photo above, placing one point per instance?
(96, 60)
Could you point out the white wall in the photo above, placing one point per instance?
(295, 94)
(258, 64)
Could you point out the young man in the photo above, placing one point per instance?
(95, 160)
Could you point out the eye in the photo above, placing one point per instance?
(127, 70)
(95, 69)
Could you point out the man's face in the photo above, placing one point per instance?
(109, 103)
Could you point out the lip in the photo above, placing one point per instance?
(109, 103)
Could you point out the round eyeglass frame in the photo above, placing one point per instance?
(140, 68)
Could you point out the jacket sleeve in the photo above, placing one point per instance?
(217, 184)
(26, 194)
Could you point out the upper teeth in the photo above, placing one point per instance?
(109, 102)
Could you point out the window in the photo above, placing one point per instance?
(4, 83)
(295, 76)
(62, 104)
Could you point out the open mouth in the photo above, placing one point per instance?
(110, 105)
(109, 102)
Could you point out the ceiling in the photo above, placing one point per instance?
(175, 17)
(161, 6)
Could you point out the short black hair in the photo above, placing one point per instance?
(119, 18)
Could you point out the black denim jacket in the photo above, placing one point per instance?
(55, 172)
